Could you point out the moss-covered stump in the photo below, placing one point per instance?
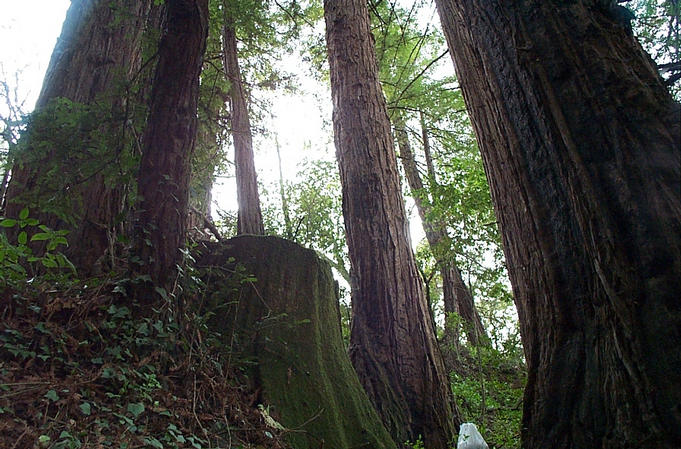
(287, 322)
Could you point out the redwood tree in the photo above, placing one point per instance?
(456, 295)
(249, 219)
(392, 344)
(97, 57)
(582, 148)
(169, 139)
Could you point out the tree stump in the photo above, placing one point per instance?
(285, 326)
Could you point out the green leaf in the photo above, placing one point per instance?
(153, 442)
(85, 408)
(43, 440)
(22, 238)
(52, 396)
(8, 223)
(49, 263)
(136, 409)
(40, 236)
(194, 443)
(162, 291)
(41, 327)
(61, 241)
(143, 329)
(64, 262)
(23, 215)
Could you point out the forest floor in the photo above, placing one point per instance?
(86, 367)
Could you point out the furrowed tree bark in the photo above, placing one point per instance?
(581, 144)
(456, 296)
(392, 343)
(249, 219)
(169, 140)
(99, 50)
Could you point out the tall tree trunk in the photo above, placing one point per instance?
(284, 200)
(580, 141)
(426, 148)
(249, 219)
(203, 169)
(200, 199)
(99, 50)
(392, 343)
(456, 296)
(169, 139)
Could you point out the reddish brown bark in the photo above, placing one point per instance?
(249, 219)
(169, 139)
(392, 344)
(99, 50)
(580, 141)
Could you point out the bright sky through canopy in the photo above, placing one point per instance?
(28, 32)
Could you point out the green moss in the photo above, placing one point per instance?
(288, 321)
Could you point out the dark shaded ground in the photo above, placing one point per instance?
(83, 367)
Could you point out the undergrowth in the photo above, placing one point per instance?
(488, 387)
(84, 366)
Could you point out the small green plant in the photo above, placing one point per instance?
(18, 261)
(418, 444)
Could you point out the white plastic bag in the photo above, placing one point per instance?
(470, 438)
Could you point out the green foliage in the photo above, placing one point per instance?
(315, 211)
(410, 55)
(266, 31)
(418, 444)
(112, 372)
(68, 144)
(657, 25)
(17, 260)
(489, 391)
